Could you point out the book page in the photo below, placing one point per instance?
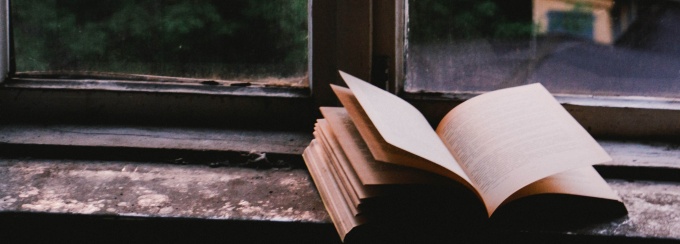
(509, 138)
(344, 186)
(344, 167)
(369, 171)
(383, 151)
(581, 182)
(400, 125)
(378, 147)
(339, 211)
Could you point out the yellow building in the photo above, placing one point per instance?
(600, 20)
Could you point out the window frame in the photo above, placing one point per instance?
(5, 40)
(114, 101)
(334, 26)
(363, 38)
(603, 116)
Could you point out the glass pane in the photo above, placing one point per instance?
(591, 47)
(245, 40)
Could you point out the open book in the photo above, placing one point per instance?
(501, 146)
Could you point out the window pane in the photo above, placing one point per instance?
(592, 47)
(252, 40)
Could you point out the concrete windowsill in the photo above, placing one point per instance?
(218, 190)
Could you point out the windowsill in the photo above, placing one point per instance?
(155, 104)
(158, 86)
(156, 138)
(636, 102)
(155, 173)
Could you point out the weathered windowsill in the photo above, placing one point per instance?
(217, 189)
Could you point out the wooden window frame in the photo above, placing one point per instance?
(340, 39)
(95, 100)
(604, 116)
(363, 38)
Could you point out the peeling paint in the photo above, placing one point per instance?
(7, 201)
(165, 210)
(228, 207)
(152, 200)
(59, 205)
(32, 191)
(138, 189)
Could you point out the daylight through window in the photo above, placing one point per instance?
(245, 40)
(588, 47)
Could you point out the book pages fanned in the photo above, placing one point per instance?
(402, 125)
(345, 168)
(369, 171)
(345, 189)
(384, 151)
(338, 209)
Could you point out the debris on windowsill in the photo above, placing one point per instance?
(240, 84)
(257, 160)
(180, 161)
(210, 83)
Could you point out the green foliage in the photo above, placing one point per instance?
(289, 21)
(445, 20)
(205, 38)
(514, 30)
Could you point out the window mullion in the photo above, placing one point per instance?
(341, 40)
(4, 40)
